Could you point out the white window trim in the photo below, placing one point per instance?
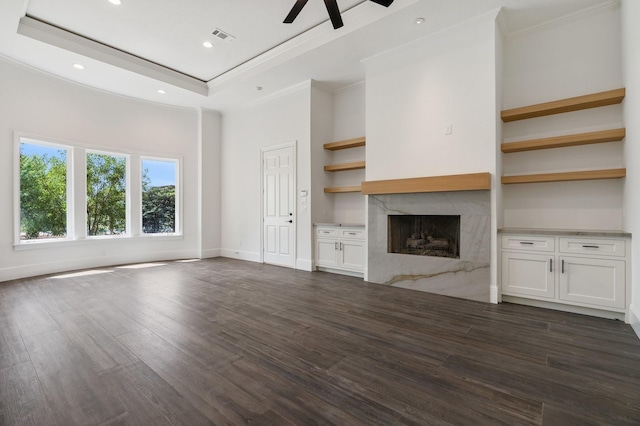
(20, 138)
(178, 179)
(77, 195)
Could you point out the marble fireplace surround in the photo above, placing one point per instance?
(467, 277)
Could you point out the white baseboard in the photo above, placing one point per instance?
(634, 318)
(241, 255)
(45, 268)
(210, 253)
(304, 264)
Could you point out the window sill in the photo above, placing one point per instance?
(58, 243)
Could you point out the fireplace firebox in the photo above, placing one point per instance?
(424, 235)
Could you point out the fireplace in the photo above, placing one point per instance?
(424, 235)
(467, 274)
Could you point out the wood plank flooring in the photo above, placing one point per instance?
(227, 342)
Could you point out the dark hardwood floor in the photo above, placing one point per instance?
(228, 342)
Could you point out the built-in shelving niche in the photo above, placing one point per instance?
(578, 103)
(357, 165)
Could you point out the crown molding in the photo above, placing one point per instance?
(593, 10)
(458, 28)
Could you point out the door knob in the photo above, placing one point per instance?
(290, 221)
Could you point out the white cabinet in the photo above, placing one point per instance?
(578, 271)
(340, 249)
(528, 274)
(592, 281)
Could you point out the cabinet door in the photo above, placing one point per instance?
(599, 282)
(326, 252)
(525, 274)
(351, 255)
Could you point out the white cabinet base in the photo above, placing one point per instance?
(582, 274)
(340, 250)
(565, 307)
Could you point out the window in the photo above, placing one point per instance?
(159, 196)
(43, 191)
(106, 194)
(127, 195)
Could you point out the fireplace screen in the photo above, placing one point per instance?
(424, 235)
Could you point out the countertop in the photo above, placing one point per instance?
(566, 232)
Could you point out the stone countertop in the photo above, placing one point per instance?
(343, 225)
(566, 232)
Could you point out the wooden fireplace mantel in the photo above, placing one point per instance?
(465, 182)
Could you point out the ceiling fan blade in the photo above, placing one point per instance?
(334, 13)
(385, 3)
(295, 10)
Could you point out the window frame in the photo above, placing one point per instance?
(76, 215)
(178, 200)
(19, 139)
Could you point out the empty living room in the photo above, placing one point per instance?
(350, 212)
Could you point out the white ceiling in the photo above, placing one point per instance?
(141, 46)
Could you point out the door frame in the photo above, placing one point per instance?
(294, 145)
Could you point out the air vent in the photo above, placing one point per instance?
(223, 35)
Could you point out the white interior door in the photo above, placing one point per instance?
(278, 238)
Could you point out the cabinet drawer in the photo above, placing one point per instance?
(592, 246)
(528, 243)
(352, 233)
(327, 232)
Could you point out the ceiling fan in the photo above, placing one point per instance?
(332, 8)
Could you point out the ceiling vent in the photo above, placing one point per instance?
(222, 35)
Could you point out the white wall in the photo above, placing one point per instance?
(43, 106)
(414, 93)
(282, 119)
(574, 57)
(321, 205)
(209, 146)
(631, 55)
(349, 122)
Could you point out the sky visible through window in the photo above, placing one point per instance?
(30, 149)
(160, 173)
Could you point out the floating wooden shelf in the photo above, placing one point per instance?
(349, 143)
(566, 176)
(342, 189)
(593, 100)
(564, 141)
(466, 182)
(344, 167)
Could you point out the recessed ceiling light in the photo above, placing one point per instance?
(207, 44)
(419, 21)
(116, 2)
(161, 91)
(78, 66)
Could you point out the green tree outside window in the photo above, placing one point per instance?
(106, 194)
